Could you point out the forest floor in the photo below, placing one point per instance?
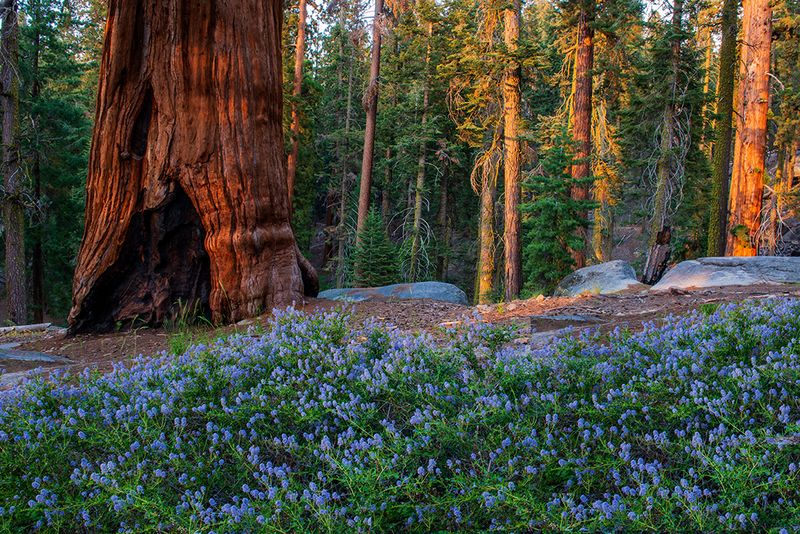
(538, 320)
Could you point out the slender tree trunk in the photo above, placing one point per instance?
(747, 178)
(371, 107)
(297, 91)
(341, 273)
(444, 229)
(582, 118)
(387, 183)
(512, 155)
(660, 233)
(416, 243)
(603, 221)
(707, 43)
(720, 169)
(14, 213)
(485, 285)
(769, 242)
(385, 206)
(186, 194)
(37, 263)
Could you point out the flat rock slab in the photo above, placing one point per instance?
(420, 290)
(601, 279)
(8, 351)
(739, 271)
(549, 323)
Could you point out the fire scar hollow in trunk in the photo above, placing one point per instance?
(186, 193)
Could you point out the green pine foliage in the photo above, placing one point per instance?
(59, 47)
(374, 258)
(551, 218)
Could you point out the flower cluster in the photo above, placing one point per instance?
(693, 424)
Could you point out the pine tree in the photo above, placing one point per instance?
(553, 217)
(374, 258)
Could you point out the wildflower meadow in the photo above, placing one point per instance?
(316, 424)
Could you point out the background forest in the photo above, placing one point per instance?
(513, 142)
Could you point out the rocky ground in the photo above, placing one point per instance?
(21, 353)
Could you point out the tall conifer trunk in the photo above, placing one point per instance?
(485, 285)
(582, 117)
(371, 107)
(720, 169)
(13, 210)
(419, 188)
(660, 235)
(186, 195)
(512, 155)
(297, 91)
(444, 228)
(747, 177)
(344, 186)
(37, 260)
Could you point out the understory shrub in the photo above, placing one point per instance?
(693, 425)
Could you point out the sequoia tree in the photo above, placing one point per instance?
(747, 177)
(186, 196)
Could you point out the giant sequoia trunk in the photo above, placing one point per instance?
(186, 194)
(747, 178)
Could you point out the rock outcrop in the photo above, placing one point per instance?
(733, 271)
(601, 279)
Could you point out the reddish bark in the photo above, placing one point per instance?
(297, 91)
(186, 192)
(512, 155)
(582, 119)
(747, 178)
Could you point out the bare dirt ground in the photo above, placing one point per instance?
(604, 311)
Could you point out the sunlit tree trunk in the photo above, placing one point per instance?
(720, 168)
(747, 177)
(297, 91)
(582, 117)
(186, 197)
(13, 209)
(371, 107)
(512, 154)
